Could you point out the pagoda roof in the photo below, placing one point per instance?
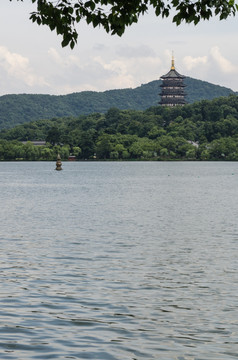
(172, 72)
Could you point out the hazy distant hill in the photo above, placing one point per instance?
(19, 109)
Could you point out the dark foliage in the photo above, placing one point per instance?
(205, 130)
(23, 108)
(115, 15)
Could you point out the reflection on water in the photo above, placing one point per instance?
(119, 261)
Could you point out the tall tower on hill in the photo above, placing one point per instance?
(172, 88)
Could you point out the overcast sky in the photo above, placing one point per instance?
(32, 60)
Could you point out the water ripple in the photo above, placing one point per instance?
(92, 267)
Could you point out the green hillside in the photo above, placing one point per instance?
(205, 130)
(23, 108)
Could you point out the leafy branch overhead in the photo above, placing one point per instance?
(115, 15)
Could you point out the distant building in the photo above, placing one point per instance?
(172, 88)
(35, 142)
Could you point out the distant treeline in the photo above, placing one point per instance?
(206, 130)
(22, 108)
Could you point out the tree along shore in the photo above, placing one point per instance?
(206, 130)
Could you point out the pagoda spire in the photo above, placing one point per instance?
(172, 62)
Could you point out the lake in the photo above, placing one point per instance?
(119, 260)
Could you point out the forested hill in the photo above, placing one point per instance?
(23, 108)
(205, 130)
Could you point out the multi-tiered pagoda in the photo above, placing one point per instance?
(172, 88)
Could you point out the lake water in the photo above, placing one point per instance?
(119, 260)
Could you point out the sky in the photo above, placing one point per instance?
(32, 60)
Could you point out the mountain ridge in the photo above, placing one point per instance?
(17, 109)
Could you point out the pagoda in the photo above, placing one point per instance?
(172, 88)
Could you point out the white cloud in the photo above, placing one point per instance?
(103, 71)
(119, 75)
(16, 66)
(225, 65)
(130, 72)
(64, 61)
(194, 62)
